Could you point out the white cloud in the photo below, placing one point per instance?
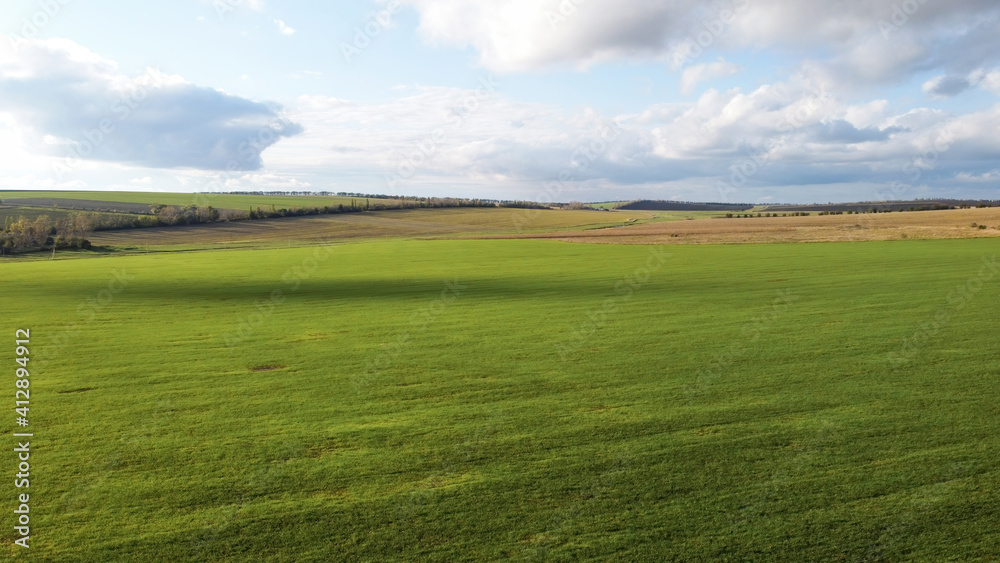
(705, 72)
(843, 42)
(804, 131)
(434, 139)
(870, 114)
(517, 35)
(283, 28)
(991, 177)
(987, 80)
(449, 141)
(947, 86)
(941, 87)
(72, 103)
(274, 181)
(264, 180)
(226, 6)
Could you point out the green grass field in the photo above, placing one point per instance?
(10, 214)
(220, 201)
(606, 204)
(510, 400)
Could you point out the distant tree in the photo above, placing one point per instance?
(168, 215)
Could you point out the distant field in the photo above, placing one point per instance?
(881, 206)
(14, 213)
(513, 400)
(80, 205)
(606, 204)
(945, 224)
(220, 201)
(660, 205)
(395, 223)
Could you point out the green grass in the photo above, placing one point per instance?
(220, 201)
(11, 214)
(397, 223)
(606, 204)
(699, 419)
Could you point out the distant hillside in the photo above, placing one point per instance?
(660, 205)
(867, 206)
(857, 207)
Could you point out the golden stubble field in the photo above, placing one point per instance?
(624, 227)
(446, 223)
(954, 223)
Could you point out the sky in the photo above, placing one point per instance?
(547, 100)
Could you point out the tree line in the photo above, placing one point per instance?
(169, 215)
(71, 230)
(42, 233)
(405, 201)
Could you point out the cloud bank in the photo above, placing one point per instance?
(70, 102)
(788, 141)
(847, 43)
(816, 114)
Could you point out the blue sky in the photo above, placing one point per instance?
(732, 100)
